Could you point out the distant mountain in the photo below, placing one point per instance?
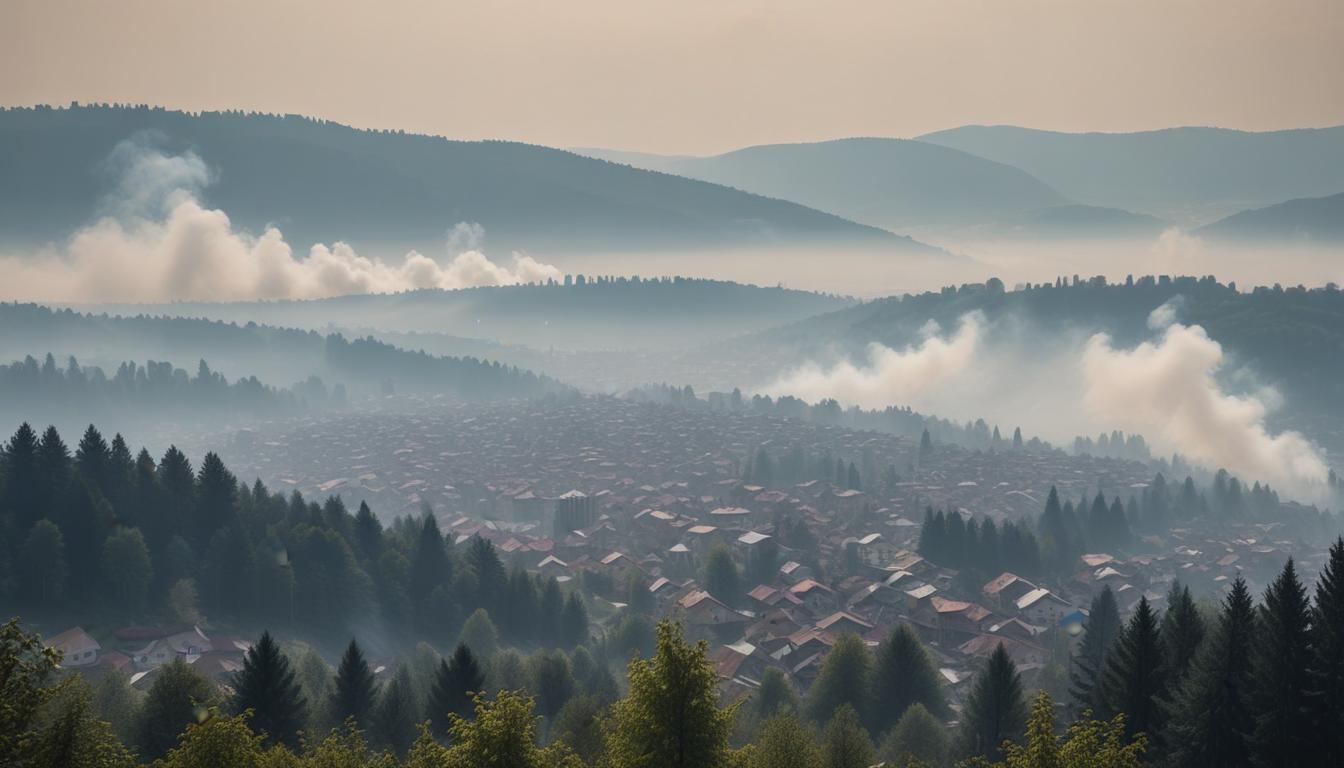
(1187, 175)
(321, 181)
(1309, 219)
(890, 183)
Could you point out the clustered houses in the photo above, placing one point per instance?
(140, 651)
(607, 493)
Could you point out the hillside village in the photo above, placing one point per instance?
(610, 496)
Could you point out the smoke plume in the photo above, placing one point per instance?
(158, 243)
(1167, 391)
(889, 376)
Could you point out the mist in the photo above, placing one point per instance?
(158, 242)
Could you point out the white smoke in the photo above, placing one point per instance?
(1167, 391)
(159, 243)
(889, 376)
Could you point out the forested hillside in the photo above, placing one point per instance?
(321, 182)
(273, 355)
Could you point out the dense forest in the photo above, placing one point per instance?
(48, 392)
(361, 365)
(1235, 685)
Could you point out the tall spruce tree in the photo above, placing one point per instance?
(267, 685)
(353, 692)
(1099, 631)
(1182, 633)
(905, 675)
(396, 714)
(1135, 679)
(995, 710)
(1327, 660)
(1280, 680)
(456, 680)
(1210, 713)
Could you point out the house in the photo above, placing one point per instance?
(1005, 590)
(815, 596)
(844, 623)
(793, 572)
(1043, 607)
(77, 647)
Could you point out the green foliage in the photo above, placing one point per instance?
(478, 634)
(25, 668)
(118, 703)
(845, 743)
(269, 689)
(918, 736)
(1182, 632)
(905, 675)
(995, 711)
(42, 566)
(177, 698)
(1210, 712)
(552, 681)
(785, 742)
(1088, 744)
(1280, 681)
(457, 681)
(671, 718)
(502, 735)
(1135, 678)
(353, 691)
(395, 715)
(126, 569)
(774, 696)
(1327, 662)
(844, 679)
(722, 578)
(579, 726)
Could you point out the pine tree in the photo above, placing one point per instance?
(905, 675)
(785, 742)
(1135, 676)
(1099, 631)
(368, 534)
(1279, 677)
(455, 682)
(353, 691)
(995, 710)
(267, 686)
(1182, 632)
(573, 621)
(1210, 713)
(1327, 665)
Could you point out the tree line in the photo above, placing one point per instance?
(104, 532)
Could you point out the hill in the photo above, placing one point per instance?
(277, 356)
(1068, 222)
(890, 183)
(1309, 219)
(591, 313)
(1188, 175)
(321, 182)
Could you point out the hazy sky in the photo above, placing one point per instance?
(694, 75)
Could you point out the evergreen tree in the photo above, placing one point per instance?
(1210, 713)
(1280, 679)
(368, 534)
(1182, 632)
(42, 566)
(995, 710)
(1327, 664)
(268, 687)
(353, 691)
(490, 575)
(217, 492)
(905, 675)
(455, 682)
(1135, 677)
(1099, 631)
(430, 567)
(126, 569)
(671, 717)
(19, 494)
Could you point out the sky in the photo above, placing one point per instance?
(695, 76)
